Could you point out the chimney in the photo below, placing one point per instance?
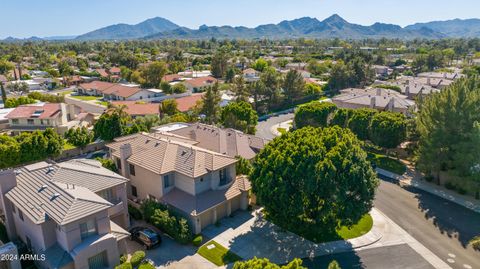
(372, 102)
(407, 90)
(8, 181)
(391, 104)
(379, 91)
(428, 81)
(125, 153)
(407, 82)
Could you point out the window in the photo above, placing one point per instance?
(223, 177)
(132, 169)
(167, 181)
(119, 164)
(14, 121)
(88, 229)
(29, 242)
(30, 121)
(41, 121)
(134, 191)
(107, 195)
(20, 214)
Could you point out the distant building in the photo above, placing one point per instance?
(137, 109)
(379, 99)
(199, 84)
(251, 75)
(60, 117)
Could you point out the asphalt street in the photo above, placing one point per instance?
(440, 225)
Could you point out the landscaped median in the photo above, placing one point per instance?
(217, 254)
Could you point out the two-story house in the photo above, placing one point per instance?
(60, 117)
(198, 183)
(71, 212)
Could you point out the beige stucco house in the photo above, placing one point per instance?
(74, 213)
(198, 183)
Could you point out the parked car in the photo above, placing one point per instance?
(145, 236)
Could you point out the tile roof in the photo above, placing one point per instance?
(195, 205)
(102, 72)
(226, 141)
(121, 90)
(171, 77)
(381, 98)
(41, 111)
(201, 81)
(134, 108)
(63, 192)
(163, 155)
(96, 85)
(188, 102)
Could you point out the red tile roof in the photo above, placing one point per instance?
(121, 90)
(202, 81)
(97, 85)
(26, 111)
(114, 70)
(172, 77)
(102, 72)
(188, 102)
(138, 109)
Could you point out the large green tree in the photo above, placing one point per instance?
(240, 116)
(359, 121)
(388, 129)
(211, 103)
(293, 86)
(315, 113)
(448, 127)
(79, 137)
(240, 89)
(153, 73)
(312, 180)
(111, 124)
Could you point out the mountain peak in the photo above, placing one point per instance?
(335, 18)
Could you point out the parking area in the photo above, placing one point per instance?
(167, 253)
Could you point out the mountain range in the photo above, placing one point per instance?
(332, 27)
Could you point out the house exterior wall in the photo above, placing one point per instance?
(26, 228)
(146, 182)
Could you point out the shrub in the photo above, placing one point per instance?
(429, 178)
(125, 265)
(450, 186)
(167, 221)
(197, 241)
(123, 258)
(146, 266)
(475, 243)
(461, 190)
(134, 212)
(137, 258)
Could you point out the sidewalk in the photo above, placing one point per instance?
(412, 178)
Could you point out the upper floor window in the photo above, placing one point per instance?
(134, 191)
(223, 177)
(20, 214)
(107, 195)
(168, 181)
(14, 121)
(30, 121)
(88, 229)
(132, 169)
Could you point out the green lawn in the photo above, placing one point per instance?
(281, 130)
(387, 163)
(362, 227)
(84, 97)
(68, 146)
(102, 103)
(218, 255)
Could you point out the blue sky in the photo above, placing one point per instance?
(24, 18)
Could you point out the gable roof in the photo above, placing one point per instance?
(96, 85)
(134, 108)
(201, 81)
(188, 102)
(34, 111)
(121, 90)
(163, 155)
(63, 192)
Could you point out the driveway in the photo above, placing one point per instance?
(169, 252)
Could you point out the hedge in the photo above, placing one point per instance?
(168, 221)
(125, 265)
(134, 212)
(137, 258)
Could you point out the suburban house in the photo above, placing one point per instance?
(412, 89)
(74, 213)
(121, 92)
(198, 183)
(376, 98)
(187, 103)
(139, 109)
(229, 141)
(382, 70)
(60, 117)
(251, 75)
(199, 84)
(4, 123)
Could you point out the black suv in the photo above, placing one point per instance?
(145, 236)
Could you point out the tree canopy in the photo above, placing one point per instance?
(314, 114)
(312, 180)
(240, 116)
(388, 129)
